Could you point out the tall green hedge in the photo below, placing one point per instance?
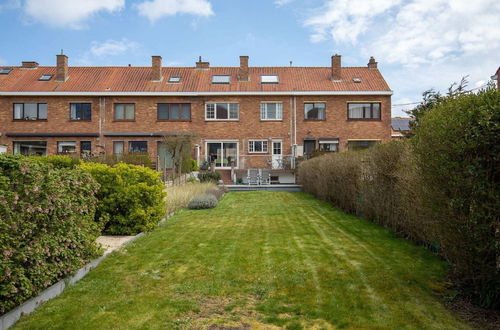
(131, 197)
(457, 147)
(439, 188)
(47, 227)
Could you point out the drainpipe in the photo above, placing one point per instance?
(294, 130)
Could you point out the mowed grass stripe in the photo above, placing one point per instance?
(259, 260)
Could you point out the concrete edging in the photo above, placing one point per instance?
(10, 318)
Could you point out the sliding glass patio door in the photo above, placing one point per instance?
(223, 154)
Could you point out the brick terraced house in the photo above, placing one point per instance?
(243, 117)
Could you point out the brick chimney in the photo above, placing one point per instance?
(62, 68)
(29, 65)
(202, 65)
(243, 70)
(372, 64)
(336, 68)
(156, 75)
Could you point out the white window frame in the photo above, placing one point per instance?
(221, 142)
(228, 104)
(263, 111)
(251, 147)
(61, 144)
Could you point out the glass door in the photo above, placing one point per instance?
(277, 161)
(223, 154)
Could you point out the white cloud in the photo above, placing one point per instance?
(111, 47)
(69, 13)
(10, 4)
(156, 9)
(346, 20)
(280, 3)
(413, 32)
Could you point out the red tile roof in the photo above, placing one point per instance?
(137, 79)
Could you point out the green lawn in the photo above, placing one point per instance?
(259, 260)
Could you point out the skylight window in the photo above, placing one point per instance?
(221, 79)
(45, 77)
(5, 70)
(269, 79)
(356, 80)
(174, 79)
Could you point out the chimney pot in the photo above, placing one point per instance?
(156, 69)
(29, 65)
(243, 70)
(62, 68)
(336, 68)
(372, 64)
(202, 65)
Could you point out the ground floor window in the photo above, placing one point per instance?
(257, 146)
(329, 145)
(138, 146)
(117, 147)
(85, 146)
(65, 147)
(28, 148)
(361, 144)
(223, 154)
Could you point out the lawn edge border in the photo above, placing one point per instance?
(10, 318)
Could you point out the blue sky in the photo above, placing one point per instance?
(419, 44)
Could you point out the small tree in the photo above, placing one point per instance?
(431, 98)
(180, 147)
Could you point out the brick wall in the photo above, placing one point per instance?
(248, 127)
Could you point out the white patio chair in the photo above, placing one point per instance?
(265, 176)
(253, 176)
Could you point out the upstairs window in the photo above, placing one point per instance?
(271, 111)
(314, 111)
(174, 79)
(269, 79)
(30, 111)
(45, 77)
(80, 111)
(361, 111)
(5, 70)
(222, 111)
(255, 146)
(221, 79)
(174, 111)
(124, 111)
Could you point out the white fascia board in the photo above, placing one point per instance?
(293, 93)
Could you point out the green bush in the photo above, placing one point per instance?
(439, 188)
(209, 177)
(194, 165)
(47, 227)
(131, 198)
(205, 201)
(58, 161)
(457, 147)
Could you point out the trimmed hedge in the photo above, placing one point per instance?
(131, 197)
(47, 227)
(439, 188)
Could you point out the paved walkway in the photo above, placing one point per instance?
(111, 243)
